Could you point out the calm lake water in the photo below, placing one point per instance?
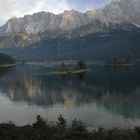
(101, 98)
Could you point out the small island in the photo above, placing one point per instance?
(79, 68)
(117, 62)
(67, 69)
(6, 61)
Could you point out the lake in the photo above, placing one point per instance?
(104, 97)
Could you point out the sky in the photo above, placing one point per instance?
(19, 8)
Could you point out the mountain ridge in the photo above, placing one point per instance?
(117, 12)
(75, 35)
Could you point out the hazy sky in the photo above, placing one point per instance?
(19, 8)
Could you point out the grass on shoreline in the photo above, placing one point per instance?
(60, 130)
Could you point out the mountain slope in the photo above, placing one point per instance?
(97, 47)
(112, 31)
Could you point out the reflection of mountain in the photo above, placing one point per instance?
(126, 105)
(39, 91)
(103, 87)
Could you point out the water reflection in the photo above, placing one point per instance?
(113, 91)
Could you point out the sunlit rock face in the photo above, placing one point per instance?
(22, 32)
(117, 11)
(123, 11)
(44, 21)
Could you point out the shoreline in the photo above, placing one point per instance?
(7, 65)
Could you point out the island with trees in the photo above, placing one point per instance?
(118, 62)
(80, 67)
(6, 61)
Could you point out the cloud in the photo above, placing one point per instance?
(52, 6)
(19, 8)
(84, 5)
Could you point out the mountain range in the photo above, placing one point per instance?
(55, 33)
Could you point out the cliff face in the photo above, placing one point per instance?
(118, 11)
(22, 32)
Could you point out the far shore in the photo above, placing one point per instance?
(50, 63)
(7, 65)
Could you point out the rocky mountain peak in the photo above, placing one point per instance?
(117, 12)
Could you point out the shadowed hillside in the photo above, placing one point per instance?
(97, 47)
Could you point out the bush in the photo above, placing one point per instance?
(44, 130)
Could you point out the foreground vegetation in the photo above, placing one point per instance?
(44, 130)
